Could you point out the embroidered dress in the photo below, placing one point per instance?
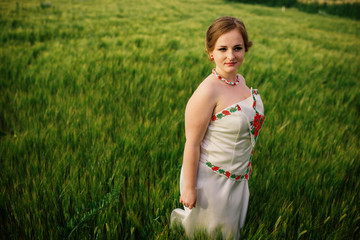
(224, 169)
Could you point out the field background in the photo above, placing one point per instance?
(343, 8)
(92, 106)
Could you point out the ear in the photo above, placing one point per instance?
(211, 56)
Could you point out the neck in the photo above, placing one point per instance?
(230, 76)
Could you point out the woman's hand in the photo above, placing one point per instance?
(188, 198)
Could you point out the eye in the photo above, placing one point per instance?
(238, 48)
(222, 49)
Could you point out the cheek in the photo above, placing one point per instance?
(218, 58)
(241, 56)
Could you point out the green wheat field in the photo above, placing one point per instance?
(92, 106)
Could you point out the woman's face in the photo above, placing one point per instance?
(229, 52)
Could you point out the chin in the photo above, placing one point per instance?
(232, 68)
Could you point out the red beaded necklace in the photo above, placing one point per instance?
(225, 80)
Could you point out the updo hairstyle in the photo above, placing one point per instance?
(223, 25)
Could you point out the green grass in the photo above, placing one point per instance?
(343, 8)
(92, 105)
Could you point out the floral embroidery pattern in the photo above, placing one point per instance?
(226, 112)
(228, 174)
(256, 124)
(255, 127)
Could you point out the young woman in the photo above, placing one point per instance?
(222, 121)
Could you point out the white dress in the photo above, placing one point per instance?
(224, 168)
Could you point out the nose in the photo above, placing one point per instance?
(231, 55)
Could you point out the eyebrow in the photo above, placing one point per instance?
(237, 45)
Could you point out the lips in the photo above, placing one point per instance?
(231, 63)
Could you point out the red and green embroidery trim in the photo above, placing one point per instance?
(225, 112)
(256, 124)
(228, 174)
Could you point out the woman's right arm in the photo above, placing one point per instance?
(197, 116)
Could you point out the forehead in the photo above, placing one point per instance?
(230, 38)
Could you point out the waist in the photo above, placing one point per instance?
(233, 168)
(232, 157)
(235, 176)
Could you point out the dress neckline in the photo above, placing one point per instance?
(234, 104)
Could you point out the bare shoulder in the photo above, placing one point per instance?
(199, 110)
(206, 93)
